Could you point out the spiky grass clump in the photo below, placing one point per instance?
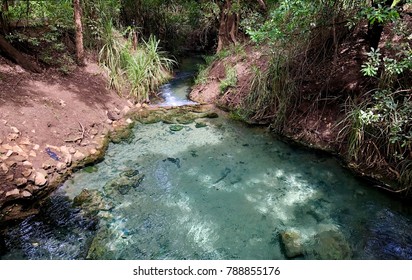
(139, 71)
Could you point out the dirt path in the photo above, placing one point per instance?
(48, 122)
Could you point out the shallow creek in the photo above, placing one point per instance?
(213, 189)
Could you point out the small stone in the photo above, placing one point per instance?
(129, 121)
(144, 105)
(93, 151)
(18, 158)
(26, 173)
(60, 166)
(72, 150)
(32, 153)
(13, 193)
(25, 141)
(10, 177)
(7, 147)
(12, 137)
(94, 131)
(46, 166)
(9, 153)
(35, 244)
(40, 179)
(21, 182)
(79, 156)
(109, 121)
(18, 150)
(26, 194)
(27, 163)
(36, 147)
(126, 109)
(4, 167)
(15, 130)
(68, 159)
(176, 127)
(138, 105)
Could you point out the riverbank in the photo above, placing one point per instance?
(314, 113)
(50, 124)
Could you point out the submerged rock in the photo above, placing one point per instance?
(329, 245)
(176, 127)
(200, 124)
(292, 243)
(91, 201)
(123, 184)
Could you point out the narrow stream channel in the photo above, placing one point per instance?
(214, 189)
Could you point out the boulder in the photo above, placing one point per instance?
(291, 242)
(329, 245)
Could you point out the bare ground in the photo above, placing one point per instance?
(48, 122)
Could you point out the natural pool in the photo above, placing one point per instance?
(215, 189)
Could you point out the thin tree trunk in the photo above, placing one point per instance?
(79, 32)
(14, 54)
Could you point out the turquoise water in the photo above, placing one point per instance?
(176, 91)
(224, 191)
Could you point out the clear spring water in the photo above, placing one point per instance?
(221, 191)
(176, 91)
(224, 191)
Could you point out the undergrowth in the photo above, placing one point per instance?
(138, 71)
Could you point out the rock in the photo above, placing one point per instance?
(200, 124)
(10, 177)
(292, 243)
(94, 131)
(40, 179)
(176, 127)
(64, 149)
(27, 163)
(91, 201)
(12, 137)
(9, 153)
(138, 106)
(18, 158)
(26, 194)
(21, 182)
(130, 173)
(46, 165)
(68, 159)
(32, 154)
(15, 193)
(17, 149)
(27, 172)
(4, 167)
(93, 151)
(7, 147)
(212, 115)
(129, 121)
(36, 147)
(14, 129)
(329, 245)
(25, 141)
(126, 109)
(78, 156)
(72, 150)
(61, 166)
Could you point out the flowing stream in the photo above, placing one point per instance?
(214, 189)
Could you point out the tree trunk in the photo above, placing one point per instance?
(3, 16)
(228, 26)
(79, 32)
(14, 54)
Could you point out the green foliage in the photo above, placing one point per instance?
(380, 14)
(139, 71)
(230, 79)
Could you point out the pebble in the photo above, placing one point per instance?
(4, 167)
(36, 147)
(9, 153)
(26, 173)
(27, 163)
(14, 192)
(129, 121)
(40, 179)
(72, 150)
(12, 137)
(79, 156)
(26, 194)
(10, 177)
(15, 130)
(93, 151)
(94, 131)
(25, 141)
(21, 182)
(32, 154)
(60, 166)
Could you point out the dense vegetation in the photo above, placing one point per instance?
(305, 40)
